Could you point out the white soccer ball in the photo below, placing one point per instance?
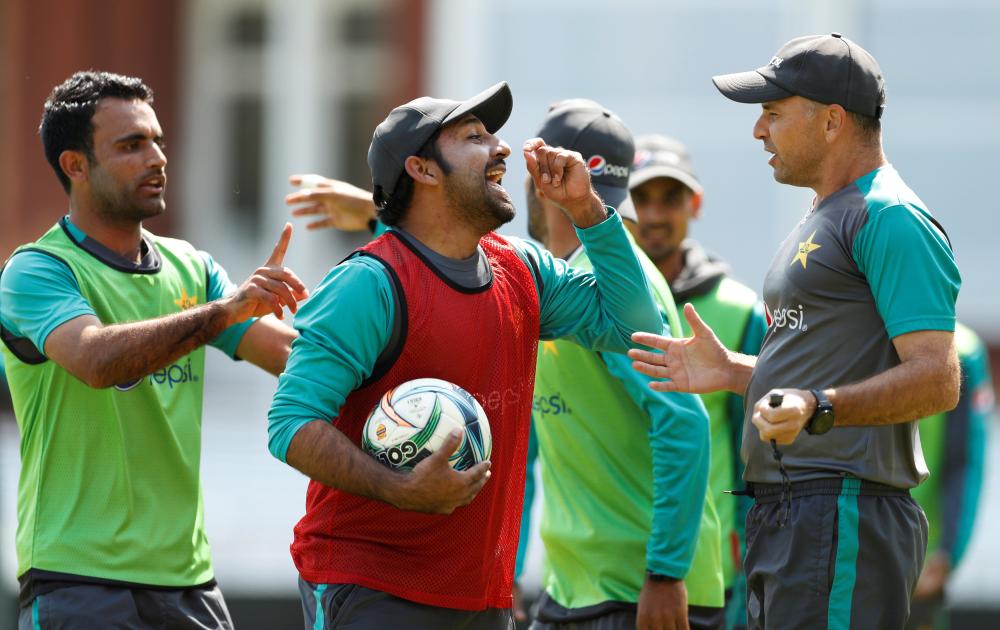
(412, 420)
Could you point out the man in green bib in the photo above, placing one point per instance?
(667, 196)
(104, 326)
(631, 536)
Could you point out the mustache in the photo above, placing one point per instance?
(495, 164)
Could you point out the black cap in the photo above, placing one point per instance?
(830, 69)
(660, 156)
(602, 139)
(408, 127)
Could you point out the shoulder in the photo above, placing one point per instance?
(28, 268)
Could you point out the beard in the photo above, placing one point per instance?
(114, 202)
(476, 203)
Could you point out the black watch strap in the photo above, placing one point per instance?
(659, 577)
(822, 417)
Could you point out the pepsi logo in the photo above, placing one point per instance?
(642, 158)
(596, 165)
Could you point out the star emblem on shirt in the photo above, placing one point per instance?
(186, 301)
(805, 248)
(550, 346)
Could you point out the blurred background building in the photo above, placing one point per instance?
(249, 91)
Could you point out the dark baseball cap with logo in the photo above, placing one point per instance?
(408, 127)
(602, 139)
(661, 156)
(829, 69)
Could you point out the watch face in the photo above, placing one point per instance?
(822, 423)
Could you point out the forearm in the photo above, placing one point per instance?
(267, 344)
(740, 369)
(680, 450)
(624, 297)
(914, 389)
(323, 453)
(120, 353)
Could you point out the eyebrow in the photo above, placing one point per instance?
(137, 136)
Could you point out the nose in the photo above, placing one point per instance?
(157, 158)
(760, 127)
(502, 149)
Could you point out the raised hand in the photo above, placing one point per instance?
(696, 364)
(338, 204)
(561, 176)
(270, 288)
(437, 488)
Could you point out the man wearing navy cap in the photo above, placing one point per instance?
(439, 295)
(860, 301)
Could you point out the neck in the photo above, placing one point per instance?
(121, 237)
(671, 266)
(436, 226)
(561, 239)
(842, 168)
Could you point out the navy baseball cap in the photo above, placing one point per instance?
(408, 127)
(829, 69)
(602, 139)
(662, 156)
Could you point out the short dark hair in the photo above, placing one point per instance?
(392, 211)
(869, 126)
(66, 119)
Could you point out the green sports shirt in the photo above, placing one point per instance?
(625, 475)
(109, 486)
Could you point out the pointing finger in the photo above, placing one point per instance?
(277, 256)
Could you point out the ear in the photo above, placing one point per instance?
(75, 165)
(696, 198)
(423, 171)
(835, 121)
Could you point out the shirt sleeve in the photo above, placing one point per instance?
(39, 293)
(343, 328)
(965, 451)
(680, 444)
(529, 499)
(910, 268)
(600, 309)
(220, 286)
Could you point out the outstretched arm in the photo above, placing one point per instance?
(104, 355)
(337, 204)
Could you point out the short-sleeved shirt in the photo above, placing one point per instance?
(867, 264)
(109, 486)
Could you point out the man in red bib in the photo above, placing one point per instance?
(440, 295)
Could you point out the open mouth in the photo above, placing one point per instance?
(154, 185)
(494, 176)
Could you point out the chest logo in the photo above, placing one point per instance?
(805, 248)
(550, 347)
(186, 301)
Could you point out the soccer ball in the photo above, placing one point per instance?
(412, 420)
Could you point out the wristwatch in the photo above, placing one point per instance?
(659, 577)
(822, 419)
